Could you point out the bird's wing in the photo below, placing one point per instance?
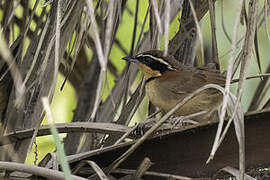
(212, 76)
(191, 79)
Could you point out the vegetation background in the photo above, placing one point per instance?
(64, 102)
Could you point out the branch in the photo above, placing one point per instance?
(35, 170)
(104, 128)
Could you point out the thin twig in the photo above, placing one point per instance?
(198, 28)
(134, 28)
(166, 26)
(109, 29)
(37, 52)
(144, 166)
(155, 8)
(151, 173)
(35, 170)
(83, 127)
(126, 134)
(57, 40)
(247, 49)
(17, 78)
(236, 173)
(266, 22)
(79, 41)
(98, 170)
(252, 77)
(101, 57)
(211, 4)
(97, 41)
(142, 29)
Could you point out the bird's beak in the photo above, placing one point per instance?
(130, 59)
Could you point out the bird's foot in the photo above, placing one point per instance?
(142, 127)
(180, 121)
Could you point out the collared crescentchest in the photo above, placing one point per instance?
(168, 82)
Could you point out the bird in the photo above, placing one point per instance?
(167, 82)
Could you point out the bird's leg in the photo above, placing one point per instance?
(142, 127)
(179, 121)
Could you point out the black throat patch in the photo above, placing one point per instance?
(150, 79)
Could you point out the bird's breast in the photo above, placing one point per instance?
(160, 96)
(163, 97)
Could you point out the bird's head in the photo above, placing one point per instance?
(153, 63)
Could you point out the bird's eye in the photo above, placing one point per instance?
(148, 60)
(145, 60)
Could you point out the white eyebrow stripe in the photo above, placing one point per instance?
(157, 59)
(171, 68)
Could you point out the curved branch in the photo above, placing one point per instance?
(35, 170)
(104, 128)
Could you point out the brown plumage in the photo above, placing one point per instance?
(169, 82)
